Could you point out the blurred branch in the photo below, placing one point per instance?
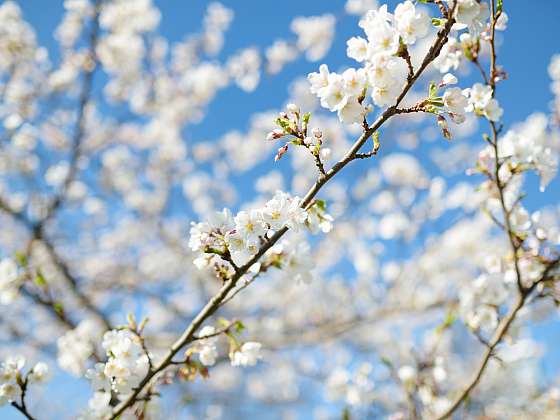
(79, 128)
(38, 229)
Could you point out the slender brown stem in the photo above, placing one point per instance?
(21, 406)
(22, 410)
(515, 243)
(499, 334)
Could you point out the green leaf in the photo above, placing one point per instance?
(239, 326)
(58, 308)
(223, 322)
(210, 250)
(386, 362)
(468, 54)
(282, 123)
(277, 263)
(317, 148)
(40, 280)
(21, 259)
(432, 92)
(306, 117)
(321, 204)
(438, 22)
(447, 322)
(436, 101)
(500, 7)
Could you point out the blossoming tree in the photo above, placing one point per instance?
(312, 265)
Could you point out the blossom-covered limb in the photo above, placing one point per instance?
(523, 290)
(212, 306)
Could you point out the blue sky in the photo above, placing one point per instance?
(531, 39)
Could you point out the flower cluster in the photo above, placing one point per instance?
(246, 355)
(244, 69)
(122, 49)
(240, 236)
(480, 303)
(471, 14)
(425, 379)
(295, 126)
(17, 39)
(207, 351)
(359, 7)
(76, 346)
(69, 29)
(297, 262)
(383, 72)
(482, 102)
(13, 381)
(278, 55)
(314, 35)
(530, 145)
(355, 389)
(217, 20)
(554, 72)
(455, 103)
(98, 407)
(126, 366)
(9, 281)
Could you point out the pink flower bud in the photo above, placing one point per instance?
(442, 122)
(281, 151)
(317, 132)
(275, 134)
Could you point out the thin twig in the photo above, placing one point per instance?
(522, 291)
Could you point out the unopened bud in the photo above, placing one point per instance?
(317, 132)
(457, 118)
(326, 153)
(292, 108)
(281, 151)
(308, 141)
(131, 321)
(282, 115)
(442, 122)
(500, 74)
(447, 80)
(275, 134)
